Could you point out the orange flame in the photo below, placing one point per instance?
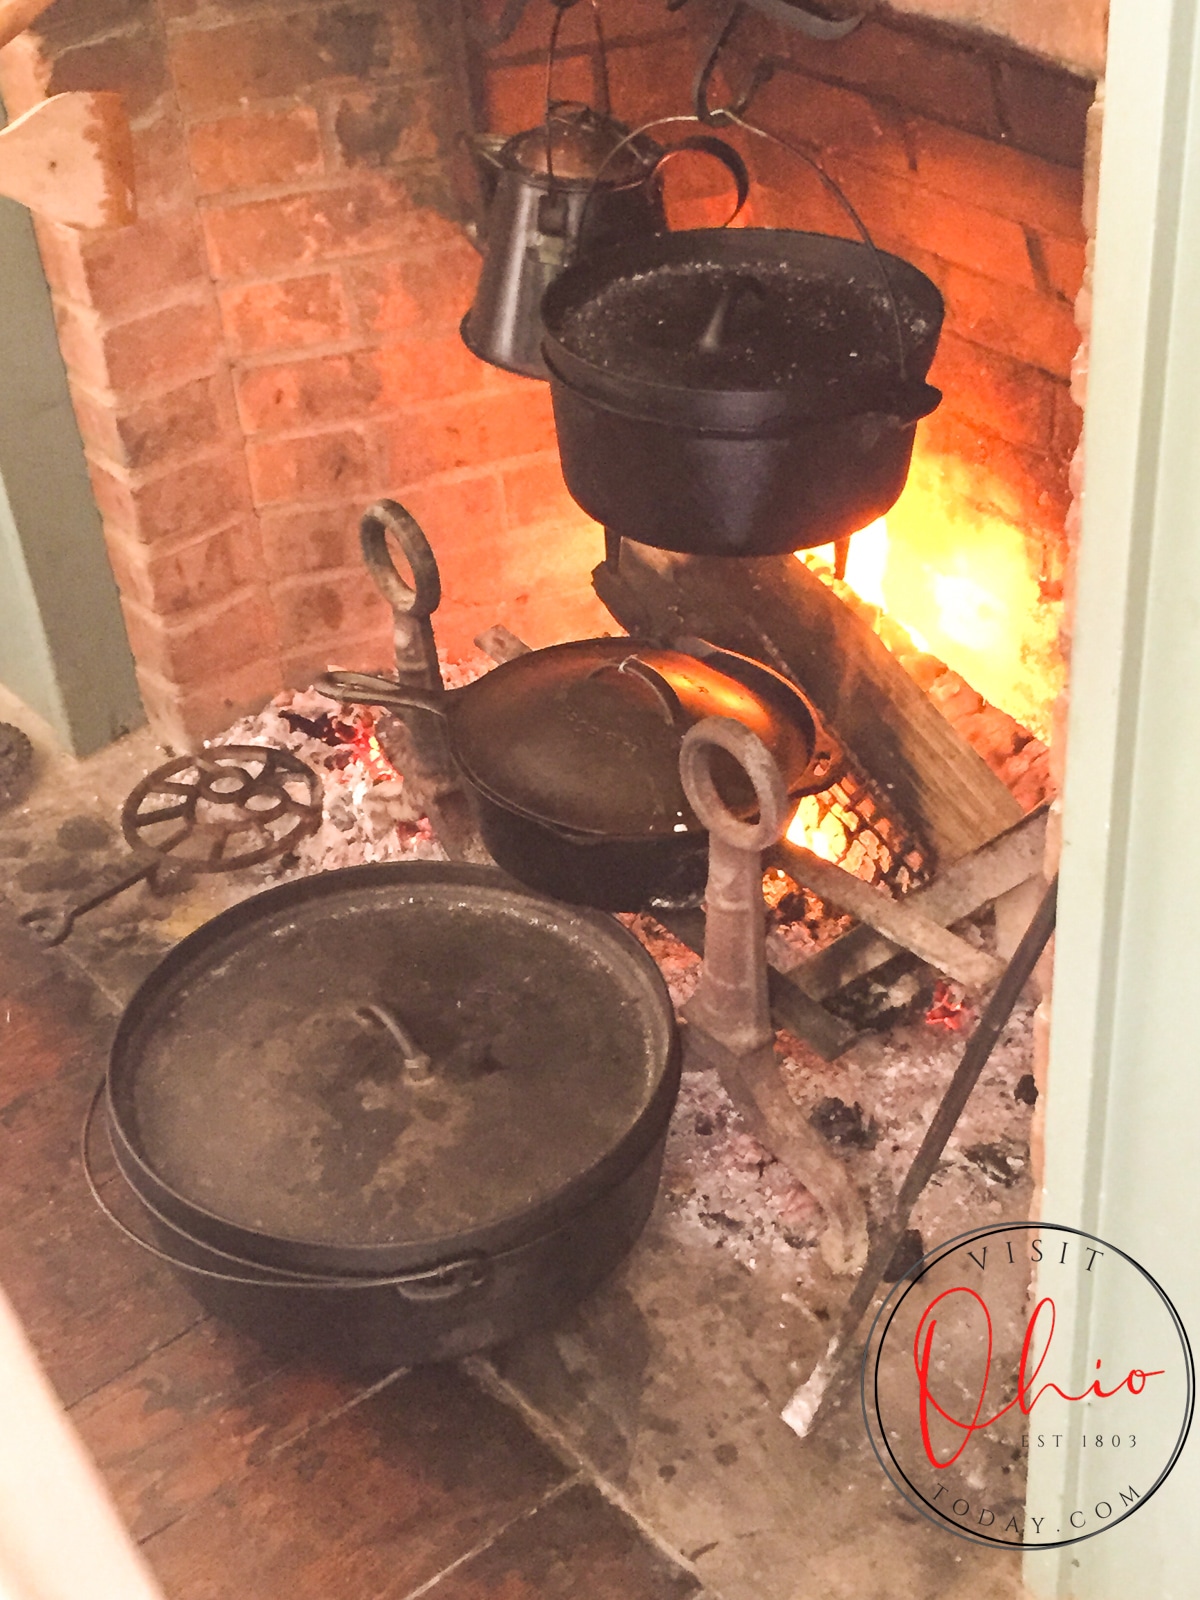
(958, 576)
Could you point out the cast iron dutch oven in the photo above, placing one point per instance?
(739, 392)
(395, 1113)
(571, 758)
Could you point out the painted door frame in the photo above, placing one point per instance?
(1123, 1096)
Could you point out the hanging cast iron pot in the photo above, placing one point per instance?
(739, 392)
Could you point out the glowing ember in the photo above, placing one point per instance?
(949, 1009)
(370, 752)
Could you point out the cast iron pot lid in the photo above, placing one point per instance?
(259, 1075)
(742, 326)
(578, 735)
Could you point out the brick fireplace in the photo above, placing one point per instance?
(274, 344)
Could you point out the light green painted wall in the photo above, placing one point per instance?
(62, 641)
(1123, 1103)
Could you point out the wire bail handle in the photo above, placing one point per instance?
(561, 7)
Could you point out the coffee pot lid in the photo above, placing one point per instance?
(574, 145)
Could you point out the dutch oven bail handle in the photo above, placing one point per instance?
(706, 143)
(444, 1281)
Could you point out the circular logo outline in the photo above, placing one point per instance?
(899, 1293)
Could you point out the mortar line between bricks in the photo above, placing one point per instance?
(485, 1374)
(170, 545)
(383, 254)
(195, 291)
(320, 183)
(491, 382)
(404, 78)
(547, 1499)
(583, 50)
(137, 478)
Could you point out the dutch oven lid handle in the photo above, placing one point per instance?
(420, 599)
(667, 700)
(756, 761)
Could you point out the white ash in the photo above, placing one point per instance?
(367, 814)
(722, 1186)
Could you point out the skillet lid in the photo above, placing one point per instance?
(260, 1077)
(585, 736)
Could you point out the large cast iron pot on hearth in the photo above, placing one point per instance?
(394, 1113)
(739, 392)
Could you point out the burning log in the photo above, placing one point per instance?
(774, 609)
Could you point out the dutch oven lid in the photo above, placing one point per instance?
(585, 736)
(260, 1073)
(580, 144)
(743, 323)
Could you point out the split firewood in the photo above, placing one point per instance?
(499, 644)
(70, 160)
(897, 920)
(988, 874)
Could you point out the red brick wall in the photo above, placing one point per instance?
(274, 343)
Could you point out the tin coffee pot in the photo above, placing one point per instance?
(578, 182)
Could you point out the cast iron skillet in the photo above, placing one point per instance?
(533, 740)
(570, 756)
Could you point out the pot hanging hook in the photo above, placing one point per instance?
(792, 14)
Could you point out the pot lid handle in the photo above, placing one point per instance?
(668, 701)
(756, 761)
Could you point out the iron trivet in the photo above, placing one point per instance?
(16, 765)
(183, 819)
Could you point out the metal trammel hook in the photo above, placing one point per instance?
(792, 14)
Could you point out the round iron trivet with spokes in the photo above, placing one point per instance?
(185, 816)
(192, 809)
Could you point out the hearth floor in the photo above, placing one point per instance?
(636, 1451)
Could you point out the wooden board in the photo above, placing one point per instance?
(70, 159)
(993, 871)
(774, 609)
